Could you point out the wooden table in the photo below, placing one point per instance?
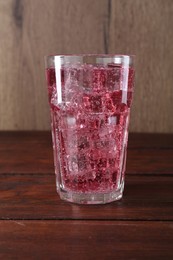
(36, 224)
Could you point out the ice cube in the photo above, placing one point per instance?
(81, 121)
(71, 121)
(73, 165)
(83, 142)
(101, 143)
(114, 75)
(86, 102)
(108, 103)
(91, 175)
(70, 75)
(71, 142)
(92, 103)
(116, 97)
(67, 121)
(78, 162)
(82, 162)
(96, 103)
(107, 174)
(72, 88)
(112, 120)
(87, 78)
(112, 162)
(93, 158)
(99, 78)
(102, 163)
(99, 176)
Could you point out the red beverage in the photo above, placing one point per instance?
(90, 115)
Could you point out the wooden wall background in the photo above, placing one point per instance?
(29, 29)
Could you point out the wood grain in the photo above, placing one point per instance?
(38, 158)
(144, 28)
(150, 141)
(29, 30)
(34, 197)
(36, 224)
(31, 152)
(136, 140)
(85, 240)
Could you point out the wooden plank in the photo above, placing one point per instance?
(136, 140)
(10, 55)
(31, 30)
(85, 240)
(31, 152)
(26, 155)
(150, 141)
(133, 30)
(35, 197)
(26, 137)
(37, 158)
(151, 161)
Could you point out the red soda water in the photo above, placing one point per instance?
(90, 106)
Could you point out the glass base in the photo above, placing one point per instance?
(92, 198)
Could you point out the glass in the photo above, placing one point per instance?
(90, 98)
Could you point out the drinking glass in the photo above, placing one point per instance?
(90, 99)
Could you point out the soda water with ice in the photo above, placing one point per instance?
(90, 107)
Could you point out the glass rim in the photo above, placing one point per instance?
(91, 55)
(51, 60)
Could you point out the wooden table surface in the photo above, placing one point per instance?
(36, 224)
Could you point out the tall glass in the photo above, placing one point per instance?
(90, 98)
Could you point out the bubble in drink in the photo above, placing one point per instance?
(90, 125)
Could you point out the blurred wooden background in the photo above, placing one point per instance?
(30, 29)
